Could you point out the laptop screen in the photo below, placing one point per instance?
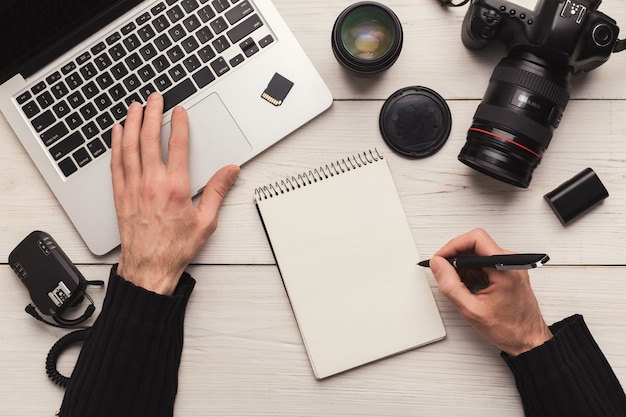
(32, 28)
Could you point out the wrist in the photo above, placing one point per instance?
(151, 279)
(533, 341)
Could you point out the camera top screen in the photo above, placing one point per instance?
(527, 4)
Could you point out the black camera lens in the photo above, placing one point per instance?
(367, 38)
(516, 118)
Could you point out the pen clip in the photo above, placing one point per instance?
(536, 264)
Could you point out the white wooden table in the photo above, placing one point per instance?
(243, 354)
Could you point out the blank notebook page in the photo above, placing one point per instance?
(347, 259)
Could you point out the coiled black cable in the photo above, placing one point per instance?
(55, 352)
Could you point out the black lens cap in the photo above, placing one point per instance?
(415, 121)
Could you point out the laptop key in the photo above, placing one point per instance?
(177, 33)
(206, 54)
(102, 61)
(238, 12)
(175, 54)
(191, 23)
(177, 94)
(266, 41)
(88, 111)
(81, 156)
(67, 145)
(30, 109)
(104, 80)
(147, 52)
(117, 52)
(90, 130)
(67, 68)
(75, 99)
(73, 120)
(103, 101)
(96, 147)
(204, 35)
(206, 13)
(146, 73)
(61, 108)
(131, 82)
(106, 137)
(67, 167)
(177, 73)
(54, 77)
(129, 27)
(133, 61)
(175, 14)
(53, 134)
(190, 44)
(132, 42)
(21, 99)
(203, 77)
(160, 63)
(161, 23)
(44, 120)
(191, 63)
(146, 33)
(157, 9)
(146, 90)
(90, 89)
(82, 58)
(88, 71)
(73, 80)
(143, 18)
(98, 48)
(59, 90)
(220, 44)
(114, 37)
(162, 42)
(45, 99)
(104, 120)
(244, 28)
(219, 25)
(117, 92)
(132, 98)
(220, 67)
(119, 71)
(236, 60)
(220, 5)
(163, 82)
(119, 111)
(189, 5)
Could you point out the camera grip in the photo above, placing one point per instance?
(480, 25)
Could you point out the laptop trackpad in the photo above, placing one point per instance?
(215, 140)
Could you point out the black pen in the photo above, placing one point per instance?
(500, 262)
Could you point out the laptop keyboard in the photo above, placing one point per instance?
(176, 47)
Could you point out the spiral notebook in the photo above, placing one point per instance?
(347, 260)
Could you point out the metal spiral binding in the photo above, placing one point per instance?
(338, 167)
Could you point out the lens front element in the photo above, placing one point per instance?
(367, 38)
(367, 33)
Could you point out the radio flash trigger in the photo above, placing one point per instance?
(53, 281)
(277, 90)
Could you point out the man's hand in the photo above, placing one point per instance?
(500, 305)
(160, 228)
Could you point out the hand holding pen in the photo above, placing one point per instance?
(499, 304)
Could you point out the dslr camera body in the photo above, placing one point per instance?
(548, 41)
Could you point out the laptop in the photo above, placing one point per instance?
(70, 68)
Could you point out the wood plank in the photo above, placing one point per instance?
(243, 354)
(441, 196)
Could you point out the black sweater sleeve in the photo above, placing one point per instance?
(568, 376)
(128, 365)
